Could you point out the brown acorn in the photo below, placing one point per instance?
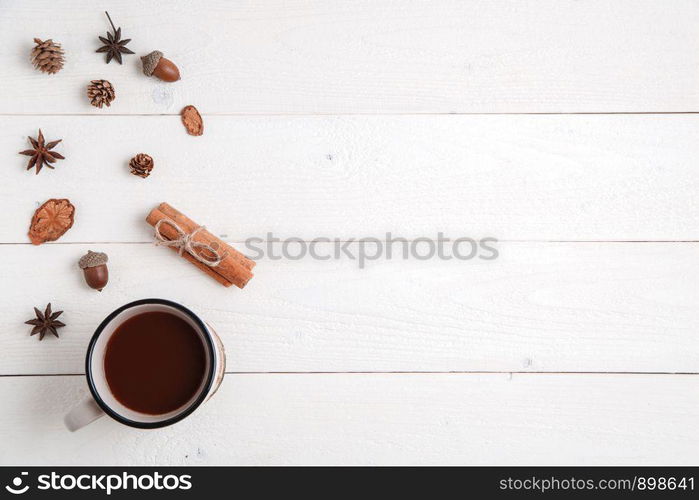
(94, 266)
(154, 64)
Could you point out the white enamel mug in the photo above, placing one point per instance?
(102, 401)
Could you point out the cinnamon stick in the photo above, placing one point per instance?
(169, 233)
(233, 272)
(188, 225)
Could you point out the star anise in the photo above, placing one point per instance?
(42, 154)
(45, 322)
(113, 44)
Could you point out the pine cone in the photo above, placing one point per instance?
(47, 56)
(100, 93)
(141, 165)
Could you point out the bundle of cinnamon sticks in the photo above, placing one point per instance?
(233, 269)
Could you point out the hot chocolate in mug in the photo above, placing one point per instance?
(149, 364)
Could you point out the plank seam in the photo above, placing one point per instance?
(345, 241)
(426, 113)
(388, 372)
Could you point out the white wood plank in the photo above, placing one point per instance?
(511, 177)
(375, 419)
(539, 307)
(363, 56)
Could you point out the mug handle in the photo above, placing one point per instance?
(85, 412)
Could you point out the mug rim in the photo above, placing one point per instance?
(186, 412)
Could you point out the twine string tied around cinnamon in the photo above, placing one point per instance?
(185, 243)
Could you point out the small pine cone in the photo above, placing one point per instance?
(47, 56)
(100, 92)
(141, 165)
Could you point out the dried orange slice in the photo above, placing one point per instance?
(51, 220)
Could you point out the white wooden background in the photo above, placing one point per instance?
(567, 129)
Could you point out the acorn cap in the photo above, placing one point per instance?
(151, 61)
(92, 259)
